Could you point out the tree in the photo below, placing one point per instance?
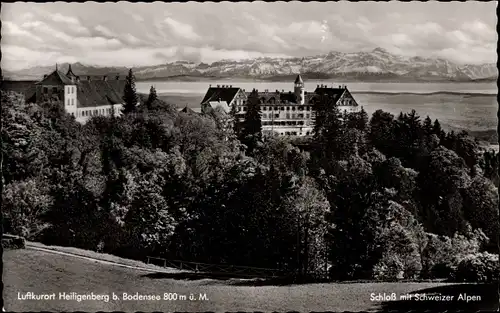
(151, 98)
(427, 127)
(252, 126)
(381, 131)
(437, 130)
(129, 94)
(24, 204)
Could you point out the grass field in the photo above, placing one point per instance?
(40, 272)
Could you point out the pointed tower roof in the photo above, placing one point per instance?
(299, 80)
(70, 71)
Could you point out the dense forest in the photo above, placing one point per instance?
(380, 197)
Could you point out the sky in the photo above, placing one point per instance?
(141, 34)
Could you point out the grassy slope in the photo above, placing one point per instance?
(43, 272)
(96, 255)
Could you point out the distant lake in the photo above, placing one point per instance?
(201, 87)
(470, 106)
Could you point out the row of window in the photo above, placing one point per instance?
(300, 108)
(295, 133)
(293, 108)
(70, 101)
(285, 123)
(288, 115)
(46, 90)
(96, 112)
(71, 90)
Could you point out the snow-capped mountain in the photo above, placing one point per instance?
(374, 65)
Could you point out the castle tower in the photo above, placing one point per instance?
(71, 75)
(299, 89)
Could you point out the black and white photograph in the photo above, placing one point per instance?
(249, 156)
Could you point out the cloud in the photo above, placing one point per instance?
(13, 30)
(207, 31)
(181, 29)
(71, 22)
(65, 19)
(16, 57)
(137, 17)
(104, 31)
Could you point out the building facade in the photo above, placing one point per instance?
(285, 113)
(82, 98)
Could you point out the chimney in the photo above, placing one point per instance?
(317, 86)
(105, 78)
(340, 87)
(218, 86)
(230, 86)
(210, 86)
(44, 76)
(219, 99)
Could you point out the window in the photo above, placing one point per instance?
(308, 115)
(45, 90)
(288, 108)
(288, 115)
(293, 115)
(293, 108)
(54, 89)
(300, 115)
(72, 101)
(264, 108)
(282, 108)
(264, 115)
(276, 116)
(307, 108)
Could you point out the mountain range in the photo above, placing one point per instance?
(376, 65)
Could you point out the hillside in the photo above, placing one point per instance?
(46, 273)
(376, 65)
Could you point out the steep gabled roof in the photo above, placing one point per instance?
(265, 97)
(98, 92)
(216, 93)
(223, 106)
(335, 93)
(56, 78)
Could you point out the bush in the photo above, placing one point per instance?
(442, 254)
(389, 268)
(479, 267)
(13, 242)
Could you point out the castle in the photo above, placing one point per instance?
(286, 113)
(82, 98)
